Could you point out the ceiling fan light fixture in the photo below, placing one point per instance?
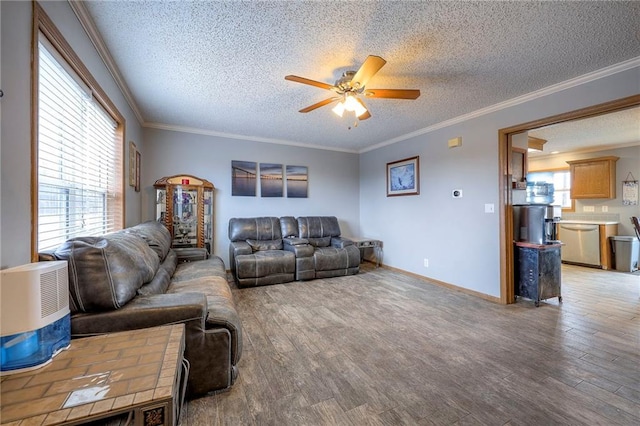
(352, 84)
(352, 104)
(360, 110)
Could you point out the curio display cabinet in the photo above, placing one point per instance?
(184, 203)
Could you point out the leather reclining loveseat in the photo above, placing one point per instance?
(132, 279)
(271, 250)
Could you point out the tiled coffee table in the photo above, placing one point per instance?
(140, 372)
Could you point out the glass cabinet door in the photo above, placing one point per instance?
(208, 218)
(161, 204)
(184, 204)
(185, 216)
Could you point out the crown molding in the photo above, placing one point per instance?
(549, 90)
(198, 131)
(90, 28)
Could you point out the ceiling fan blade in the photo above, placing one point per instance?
(319, 104)
(367, 114)
(368, 69)
(392, 93)
(309, 82)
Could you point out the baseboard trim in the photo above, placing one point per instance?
(445, 284)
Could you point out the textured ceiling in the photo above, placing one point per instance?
(617, 129)
(219, 67)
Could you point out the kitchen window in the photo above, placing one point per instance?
(78, 146)
(561, 180)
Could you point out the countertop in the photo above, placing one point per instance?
(538, 246)
(590, 222)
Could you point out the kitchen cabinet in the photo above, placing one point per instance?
(184, 203)
(593, 178)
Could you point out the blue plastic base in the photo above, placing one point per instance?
(33, 349)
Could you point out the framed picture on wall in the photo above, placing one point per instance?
(132, 163)
(271, 180)
(138, 160)
(403, 177)
(243, 178)
(297, 182)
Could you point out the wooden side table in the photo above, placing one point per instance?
(376, 245)
(141, 373)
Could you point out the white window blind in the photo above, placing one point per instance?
(78, 160)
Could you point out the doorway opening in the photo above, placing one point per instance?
(505, 153)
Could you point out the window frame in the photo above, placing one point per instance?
(559, 169)
(42, 24)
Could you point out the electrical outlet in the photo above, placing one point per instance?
(426, 262)
(605, 209)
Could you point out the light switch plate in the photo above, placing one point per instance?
(588, 209)
(489, 208)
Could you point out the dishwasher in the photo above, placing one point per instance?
(581, 243)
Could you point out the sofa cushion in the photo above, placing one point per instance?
(265, 263)
(155, 234)
(331, 258)
(258, 245)
(106, 272)
(318, 227)
(289, 226)
(162, 279)
(255, 228)
(213, 266)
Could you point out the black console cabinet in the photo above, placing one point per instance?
(537, 272)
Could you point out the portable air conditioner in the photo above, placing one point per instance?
(36, 323)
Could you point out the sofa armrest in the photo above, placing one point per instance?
(294, 241)
(189, 254)
(143, 312)
(240, 247)
(45, 256)
(341, 242)
(300, 247)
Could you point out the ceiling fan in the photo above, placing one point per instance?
(351, 85)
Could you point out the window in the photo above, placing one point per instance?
(78, 147)
(561, 180)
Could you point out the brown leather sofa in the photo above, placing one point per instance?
(132, 279)
(271, 250)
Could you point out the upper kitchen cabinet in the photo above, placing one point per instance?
(593, 178)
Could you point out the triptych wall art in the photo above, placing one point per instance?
(245, 175)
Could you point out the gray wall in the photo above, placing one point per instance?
(461, 241)
(15, 136)
(333, 178)
(629, 162)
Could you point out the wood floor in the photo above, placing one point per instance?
(383, 348)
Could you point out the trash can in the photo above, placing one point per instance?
(625, 249)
